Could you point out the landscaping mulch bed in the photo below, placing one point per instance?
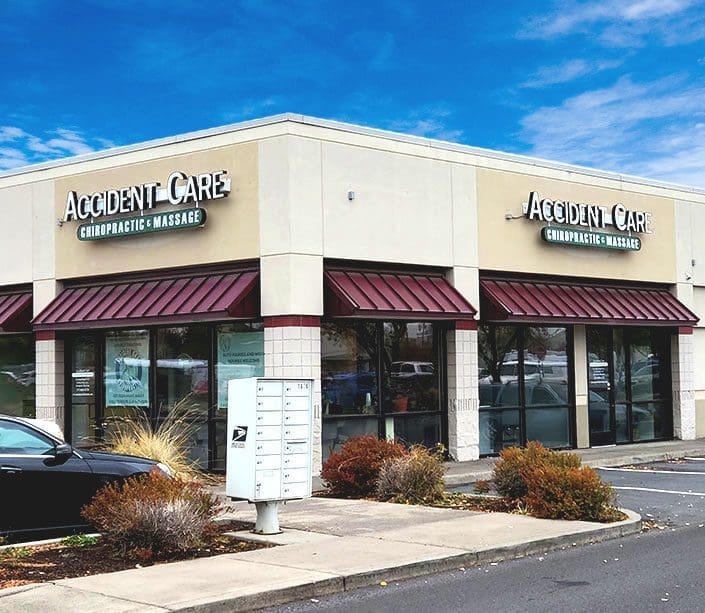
(22, 565)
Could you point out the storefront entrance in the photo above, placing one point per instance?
(628, 385)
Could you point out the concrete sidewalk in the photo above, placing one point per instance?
(329, 546)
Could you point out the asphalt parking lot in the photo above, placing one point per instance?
(670, 493)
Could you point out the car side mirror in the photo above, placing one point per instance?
(63, 450)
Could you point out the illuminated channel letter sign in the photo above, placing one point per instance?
(573, 223)
(105, 210)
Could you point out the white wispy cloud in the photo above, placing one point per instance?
(568, 71)
(20, 148)
(654, 129)
(621, 23)
(428, 121)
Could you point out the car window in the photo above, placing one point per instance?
(408, 368)
(426, 368)
(16, 439)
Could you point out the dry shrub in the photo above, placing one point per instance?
(413, 478)
(152, 514)
(353, 471)
(482, 486)
(507, 475)
(168, 442)
(569, 493)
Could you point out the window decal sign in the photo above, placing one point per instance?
(127, 370)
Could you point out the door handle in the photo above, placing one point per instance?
(10, 470)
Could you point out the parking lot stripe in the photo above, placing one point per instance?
(695, 459)
(649, 489)
(649, 470)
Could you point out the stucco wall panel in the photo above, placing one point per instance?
(17, 238)
(402, 210)
(231, 231)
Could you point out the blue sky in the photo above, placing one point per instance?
(616, 85)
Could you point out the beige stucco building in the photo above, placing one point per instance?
(434, 292)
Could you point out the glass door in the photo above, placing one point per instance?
(628, 383)
(84, 426)
(601, 411)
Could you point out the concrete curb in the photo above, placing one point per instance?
(343, 583)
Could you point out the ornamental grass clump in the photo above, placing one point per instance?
(168, 442)
(353, 471)
(153, 515)
(414, 478)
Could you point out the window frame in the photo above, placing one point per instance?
(522, 406)
(440, 328)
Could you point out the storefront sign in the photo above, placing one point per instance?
(240, 355)
(127, 370)
(179, 189)
(590, 216)
(584, 238)
(145, 224)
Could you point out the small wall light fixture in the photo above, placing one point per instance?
(351, 195)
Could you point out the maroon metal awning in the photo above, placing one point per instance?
(351, 293)
(15, 312)
(581, 303)
(142, 303)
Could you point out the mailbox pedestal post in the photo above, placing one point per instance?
(267, 517)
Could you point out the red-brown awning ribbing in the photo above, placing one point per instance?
(580, 303)
(351, 293)
(15, 312)
(142, 303)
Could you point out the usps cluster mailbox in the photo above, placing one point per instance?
(269, 438)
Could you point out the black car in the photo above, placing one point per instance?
(44, 481)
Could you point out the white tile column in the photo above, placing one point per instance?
(683, 380)
(292, 348)
(463, 393)
(49, 381)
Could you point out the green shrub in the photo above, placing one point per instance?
(79, 540)
(568, 493)
(414, 478)
(507, 474)
(153, 513)
(353, 471)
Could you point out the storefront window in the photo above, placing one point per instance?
(410, 368)
(126, 381)
(17, 375)
(380, 378)
(239, 354)
(524, 374)
(348, 369)
(182, 370)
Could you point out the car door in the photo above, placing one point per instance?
(38, 488)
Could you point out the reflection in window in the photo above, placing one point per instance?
(521, 367)
(337, 431)
(410, 381)
(17, 374)
(182, 382)
(348, 368)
